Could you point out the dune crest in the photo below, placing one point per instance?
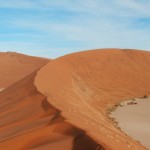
(15, 66)
(28, 121)
(85, 85)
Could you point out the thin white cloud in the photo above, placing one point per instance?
(17, 4)
(136, 8)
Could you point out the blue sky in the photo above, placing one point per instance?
(54, 28)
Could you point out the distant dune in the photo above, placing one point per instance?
(15, 66)
(85, 85)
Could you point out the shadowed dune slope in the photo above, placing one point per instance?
(84, 85)
(28, 121)
(23, 109)
(15, 66)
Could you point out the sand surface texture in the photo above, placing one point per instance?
(135, 120)
(84, 85)
(1, 89)
(15, 66)
(28, 121)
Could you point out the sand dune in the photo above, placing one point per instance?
(85, 85)
(15, 66)
(28, 121)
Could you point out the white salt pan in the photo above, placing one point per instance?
(134, 120)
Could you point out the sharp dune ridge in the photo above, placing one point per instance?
(28, 121)
(15, 66)
(85, 85)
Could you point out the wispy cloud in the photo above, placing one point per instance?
(65, 26)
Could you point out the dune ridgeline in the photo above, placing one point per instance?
(64, 103)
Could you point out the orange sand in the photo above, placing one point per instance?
(84, 85)
(28, 121)
(14, 67)
(1, 89)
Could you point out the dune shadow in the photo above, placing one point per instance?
(84, 142)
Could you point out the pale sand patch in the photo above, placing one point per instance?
(134, 120)
(1, 89)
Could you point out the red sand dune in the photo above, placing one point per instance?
(28, 121)
(15, 66)
(84, 85)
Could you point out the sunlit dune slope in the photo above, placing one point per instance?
(15, 66)
(28, 121)
(84, 85)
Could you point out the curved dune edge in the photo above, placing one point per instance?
(28, 121)
(15, 66)
(84, 85)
